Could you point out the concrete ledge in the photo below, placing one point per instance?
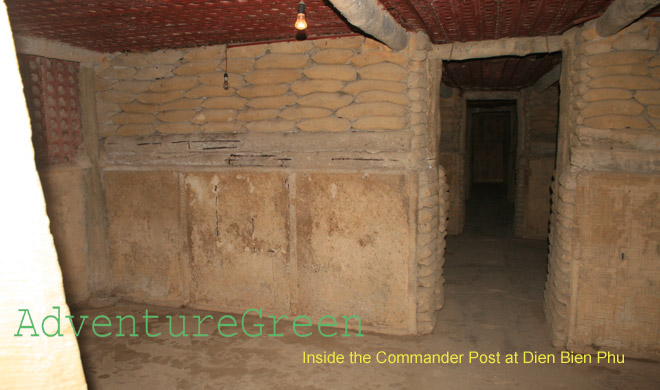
(302, 150)
(54, 49)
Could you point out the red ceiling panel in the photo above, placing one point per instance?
(474, 20)
(141, 25)
(136, 25)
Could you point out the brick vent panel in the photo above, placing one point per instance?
(52, 97)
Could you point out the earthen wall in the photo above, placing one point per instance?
(536, 160)
(452, 154)
(604, 251)
(309, 186)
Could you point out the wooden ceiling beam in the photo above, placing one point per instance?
(370, 17)
(545, 81)
(622, 13)
(498, 47)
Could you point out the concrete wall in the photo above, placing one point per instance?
(31, 278)
(67, 158)
(453, 154)
(298, 190)
(64, 191)
(604, 252)
(315, 172)
(539, 112)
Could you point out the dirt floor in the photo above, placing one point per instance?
(494, 293)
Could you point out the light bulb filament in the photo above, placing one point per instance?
(301, 23)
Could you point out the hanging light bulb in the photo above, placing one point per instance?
(225, 85)
(301, 23)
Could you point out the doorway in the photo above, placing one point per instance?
(491, 144)
(495, 278)
(489, 151)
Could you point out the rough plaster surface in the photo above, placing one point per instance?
(354, 246)
(537, 197)
(536, 160)
(608, 127)
(542, 111)
(169, 133)
(239, 256)
(618, 231)
(144, 237)
(454, 164)
(452, 112)
(63, 191)
(494, 284)
(327, 109)
(348, 252)
(238, 231)
(452, 153)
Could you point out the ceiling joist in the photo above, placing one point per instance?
(621, 14)
(370, 17)
(500, 47)
(545, 81)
